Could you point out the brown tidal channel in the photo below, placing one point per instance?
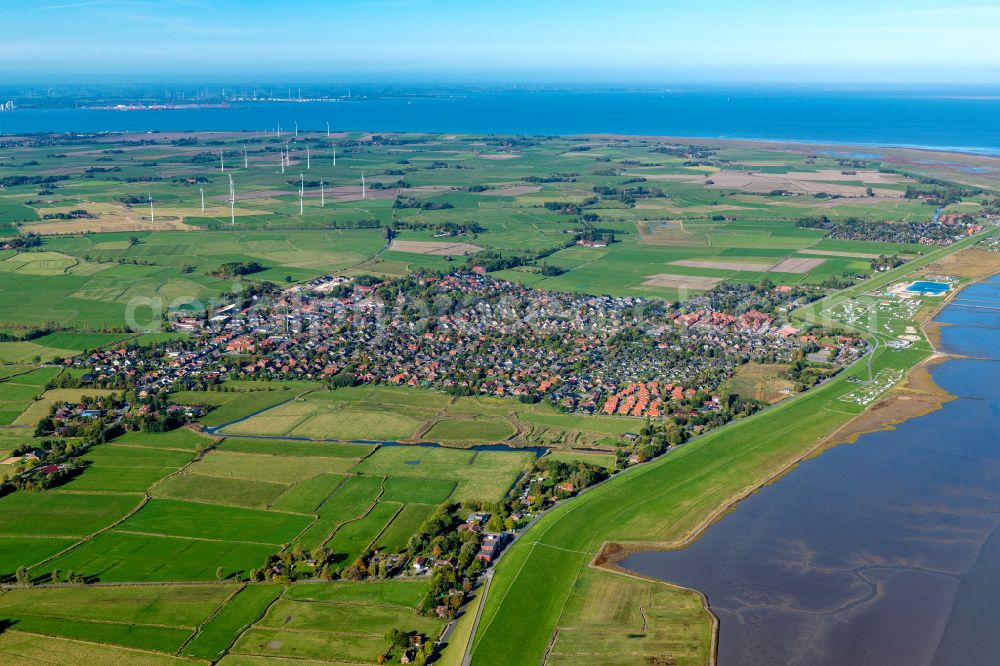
(886, 551)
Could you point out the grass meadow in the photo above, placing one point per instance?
(346, 621)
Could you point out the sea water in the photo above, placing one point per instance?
(959, 118)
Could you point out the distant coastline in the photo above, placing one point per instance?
(946, 122)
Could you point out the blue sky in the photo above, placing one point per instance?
(623, 41)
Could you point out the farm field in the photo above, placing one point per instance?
(123, 468)
(122, 557)
(239, 612)
(181, 439)
(21, 390)
(40, 407)
(22, 647)
(346, 620)
(409, 414)
(229, 407)
(483, 475)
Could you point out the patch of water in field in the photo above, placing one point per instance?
(882, 552)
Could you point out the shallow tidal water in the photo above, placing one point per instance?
(886, 551)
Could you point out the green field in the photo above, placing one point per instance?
(392, 413)
(307, 496)
(204, 521)
(120, 557)
(426, 491)
(288, 447)
(181, 438)
(484, 475)
(315, 420)
(124, 468)
(470, 430)
(345, 622)
(353, 538)
(274, 469)
(350, 500)
(20, 647)
(220, 490)
(242, 610)
(228, 407)
(406, 523)
(63, 513)
(157, 618)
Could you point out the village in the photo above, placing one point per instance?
(470, 334)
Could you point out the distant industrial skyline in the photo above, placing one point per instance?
(636, 41)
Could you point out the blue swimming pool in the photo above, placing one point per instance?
(925, 288)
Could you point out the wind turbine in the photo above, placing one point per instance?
(328, 129)
(302, 190)
(322, 193)
(308, 162)
(282, 159)
(222, 162)
(246, 164)
(232, 201)
(152, 211)
(296, 129)
(202, 199)
(362, 184)
(334, 154)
